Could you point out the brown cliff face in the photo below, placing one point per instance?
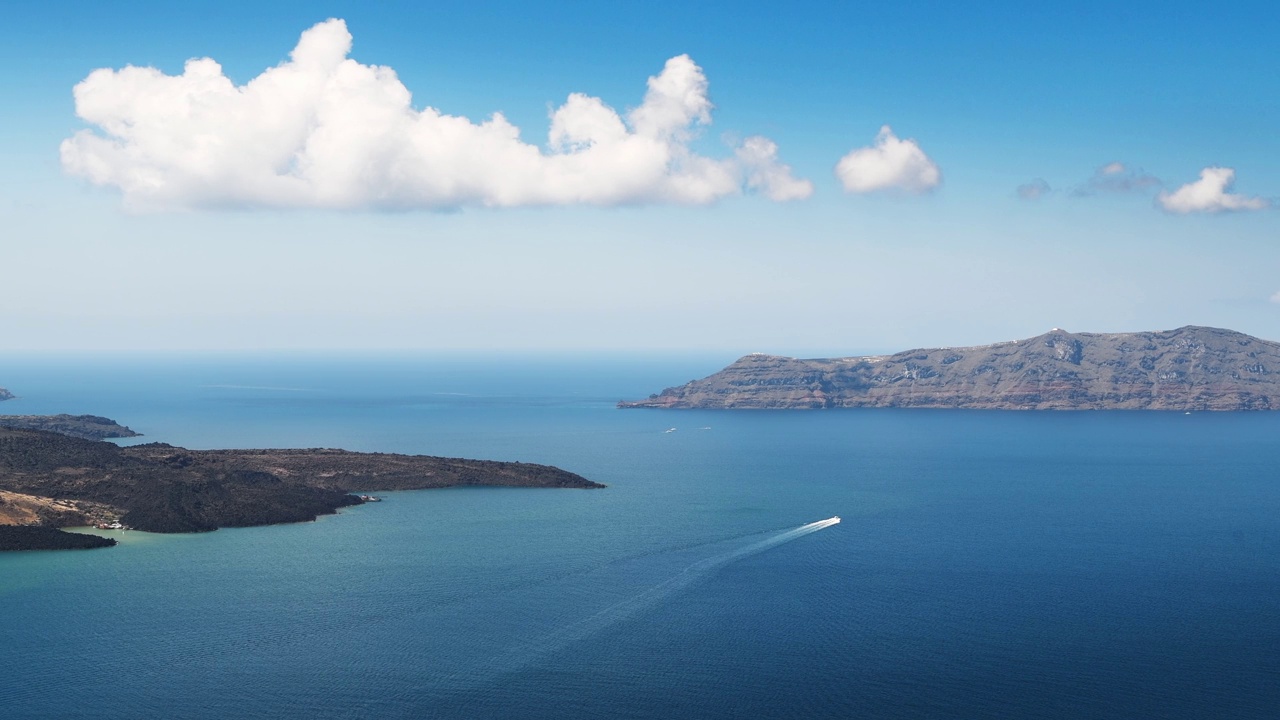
(1191, 368)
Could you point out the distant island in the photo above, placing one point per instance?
(88, 427)
(1190, 368)
(49, 480)
(5, 394)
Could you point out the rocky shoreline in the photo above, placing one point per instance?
(26, 537)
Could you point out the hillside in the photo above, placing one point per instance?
(1190, 368)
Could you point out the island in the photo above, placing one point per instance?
(5, 394)
(49, 480)
(88, 427)
(1191, 368)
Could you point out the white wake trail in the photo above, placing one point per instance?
(648, 598)
(521, 654)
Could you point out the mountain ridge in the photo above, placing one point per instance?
(1188, 368)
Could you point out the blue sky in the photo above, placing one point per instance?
(1106, 116)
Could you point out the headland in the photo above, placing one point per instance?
(88, 427)
(52, 480)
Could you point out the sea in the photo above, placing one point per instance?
(987, 564)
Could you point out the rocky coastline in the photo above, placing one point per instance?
(27, 537)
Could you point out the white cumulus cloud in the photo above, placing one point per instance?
(758, 156)
(322, 130)
(1209, 194)
(889, 164)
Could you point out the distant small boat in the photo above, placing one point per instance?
(669, 430)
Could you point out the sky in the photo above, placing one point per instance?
(809, 179)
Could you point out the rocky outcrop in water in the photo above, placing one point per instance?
(1191, 368)
(5, 394)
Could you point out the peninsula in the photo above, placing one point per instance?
(1190, 368)
(50, 480)
(88, 427)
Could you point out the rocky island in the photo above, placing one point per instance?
(5, 394)
(49, 480)
(1190, 368)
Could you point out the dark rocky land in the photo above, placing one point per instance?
(5, 394)
(52, 480)
(1191, 368)
(25, 537)
(89, 427)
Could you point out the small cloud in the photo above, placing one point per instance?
(1276, 298)
(1209, 195)
(1116, 178)
(889, 164)
(321, 130)
(758, 156)
(1034, 190)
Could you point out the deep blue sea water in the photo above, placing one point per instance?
(989, 564)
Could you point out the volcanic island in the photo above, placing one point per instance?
(1188, 369)
(51, 480)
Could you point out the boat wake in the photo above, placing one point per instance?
(525, 652)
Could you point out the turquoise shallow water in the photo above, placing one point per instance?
(989, 565)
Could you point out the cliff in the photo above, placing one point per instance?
(50, 480)
(1191, 368)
